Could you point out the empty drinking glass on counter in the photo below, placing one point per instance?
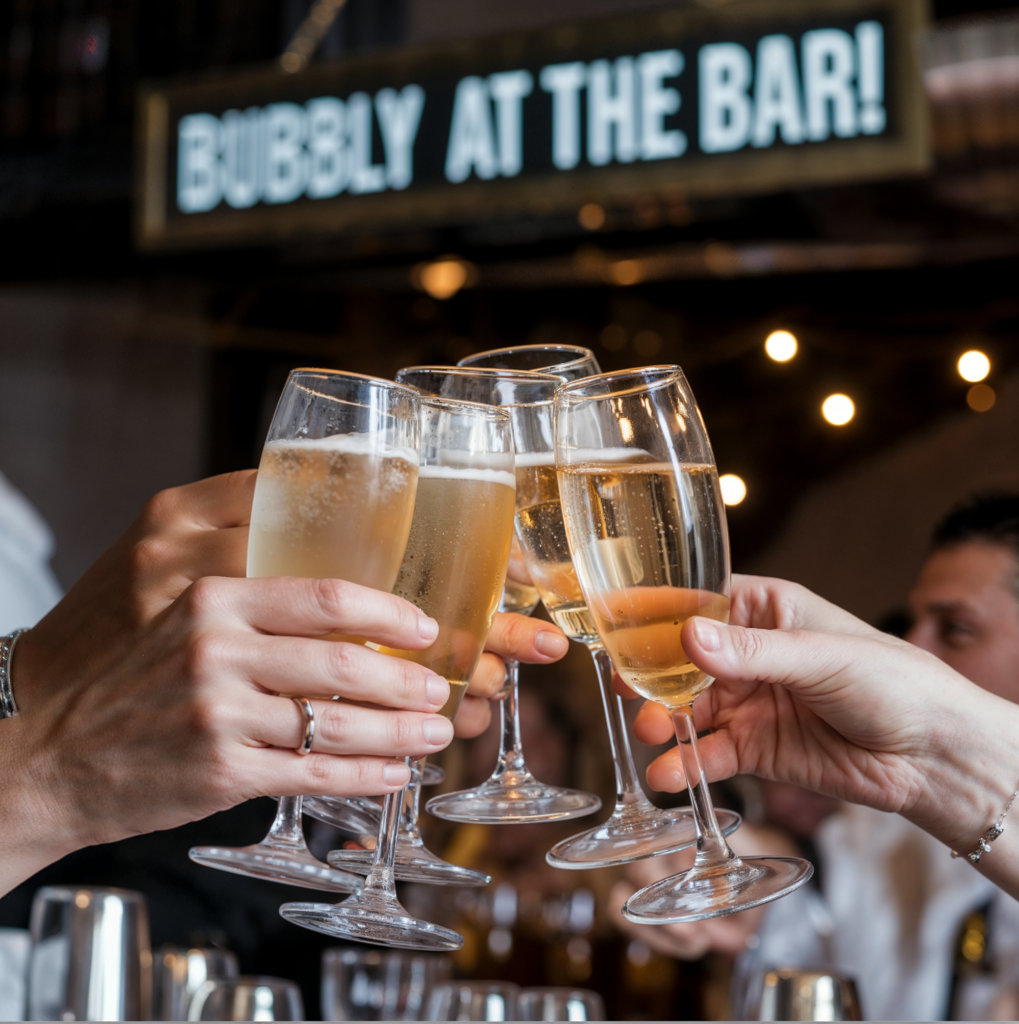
(474, 1000)
(560, 1004)
(247, 998)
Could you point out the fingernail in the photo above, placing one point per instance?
(552, 645)
(428, 629)
(438, 731)
(395, 774)
(708, 635)
(437, 690)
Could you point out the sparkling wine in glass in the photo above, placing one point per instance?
(334, 499)
(512, 794)
(453, 569)
(636, 828)
(646, 526)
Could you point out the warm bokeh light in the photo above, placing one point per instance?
(733, 488)
(591, 217)
(443, 278)
(781, 346)
(626, 272)
(838, 410)
(981, 397)
(974, 366)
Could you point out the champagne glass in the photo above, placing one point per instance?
(360, 814)
(333, 499)
(512, 794)
(453, 570)
(646, 525)
(414, 861)
(568, 362)
(636, 828)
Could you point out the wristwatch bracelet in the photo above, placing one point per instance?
(8, 707)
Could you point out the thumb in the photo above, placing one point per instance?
(800, 660)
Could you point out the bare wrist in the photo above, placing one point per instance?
(33, 833)
(971, 772)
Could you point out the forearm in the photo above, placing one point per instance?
(970, 780)
(30, 837)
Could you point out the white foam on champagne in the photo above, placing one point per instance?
(605, 456)
(532, 460)
(476, 473)
(368, 443)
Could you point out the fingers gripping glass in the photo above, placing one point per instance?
(453, 570)
(333, 499)
(512, 793)
(636, 828)
(646, 525)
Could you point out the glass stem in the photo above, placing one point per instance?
(511, 751)
(381, 875)
(712, 849)
(287, 826)
(412, 800)
(628, 788)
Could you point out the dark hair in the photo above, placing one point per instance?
(988, 518)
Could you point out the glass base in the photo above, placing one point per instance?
(414, 863)
(513, 799)
(432, 774)
(373, 916)
(359, 815)
(738, 885)
(633, 832)
(288, 864)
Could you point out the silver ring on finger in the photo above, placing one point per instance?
(309, 724)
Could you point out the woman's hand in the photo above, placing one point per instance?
(147, 694)
(807, 694)
(179, 718)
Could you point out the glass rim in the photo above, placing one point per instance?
(571, 391)
(583, 354)
(363, 378)
(522, 377)
(500, 412)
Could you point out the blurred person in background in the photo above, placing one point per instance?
(924, 935)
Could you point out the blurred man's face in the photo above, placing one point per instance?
(966, 611)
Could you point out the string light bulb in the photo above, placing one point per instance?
(838, 410)
(974, 366)
(781, 346)
(734, 490)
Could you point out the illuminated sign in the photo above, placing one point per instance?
(759, 94)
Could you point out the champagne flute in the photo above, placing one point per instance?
(512, 794)
(568, 362)
(333, 499)
(646, 525)
(453, 569)
(636, 828)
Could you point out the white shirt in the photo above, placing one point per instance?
(892, 904)
(28, 588)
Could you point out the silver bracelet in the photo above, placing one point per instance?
(984, 844)
(8, 709)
